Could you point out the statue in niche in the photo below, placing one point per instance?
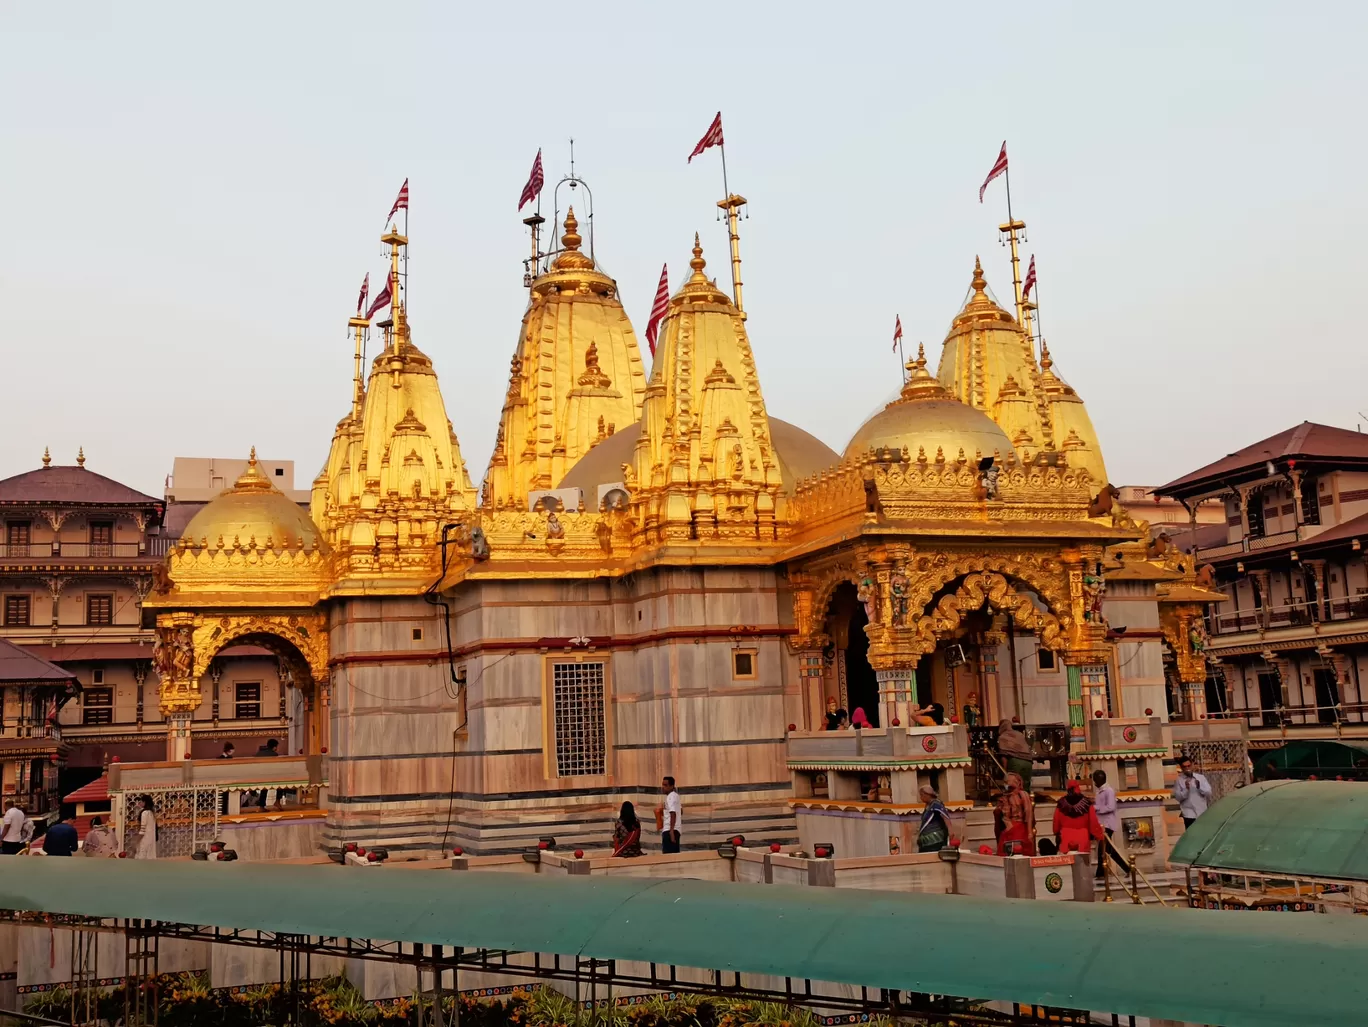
(868, 594)
(182, 654)
(1197, 637)
(988, 479)
(479, 545)
(554, 528)
(736, 463)
(1093, 588)
(897, 589)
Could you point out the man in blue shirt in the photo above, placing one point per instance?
(61, 839)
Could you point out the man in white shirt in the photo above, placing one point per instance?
(12, 829)
(1193, 792)
(1104, 802)
(672, 817)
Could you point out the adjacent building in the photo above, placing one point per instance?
(1290, 644)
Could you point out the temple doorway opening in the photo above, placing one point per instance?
(859, 684)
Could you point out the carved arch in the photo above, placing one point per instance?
(995, 590)
(1044, 575)
(812, 601)
(301, 639)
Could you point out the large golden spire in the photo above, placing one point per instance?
(704, 466)
(395, 474)
(577, 365)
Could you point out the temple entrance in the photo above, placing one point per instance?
(859, 685)
(302, 720)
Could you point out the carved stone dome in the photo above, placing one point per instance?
(926, 419)
(254, 509)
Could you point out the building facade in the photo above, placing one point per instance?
(657, 578)
(1291, 640)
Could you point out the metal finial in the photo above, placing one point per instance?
(80, 457)
(698, 263)
(571, 239)
(47, 457)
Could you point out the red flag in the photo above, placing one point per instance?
(400, 201)
(381, 301)
(1030, 280)
(999, 166)
(534, 184)
(712, 137)
(658, 308)
(897, 332)
(365, 290)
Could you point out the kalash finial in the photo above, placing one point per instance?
(1045, 362)
(979, 284)
(921, 384)
(252, 480)
(698, 263)
(571, 239)
(47, 457)
(80, 457)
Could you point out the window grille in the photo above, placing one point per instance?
(578, 710)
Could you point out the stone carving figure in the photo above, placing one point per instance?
(554, 528)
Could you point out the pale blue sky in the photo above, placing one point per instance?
(190, 195)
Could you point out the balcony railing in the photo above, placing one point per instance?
(155, 546)
(1285, 717)
(1249, 544)
(1289, 615)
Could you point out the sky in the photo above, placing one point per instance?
(191, 193)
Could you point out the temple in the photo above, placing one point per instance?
(659, 578)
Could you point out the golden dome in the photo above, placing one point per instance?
(800, 455)
(930, 423)
(253, 513)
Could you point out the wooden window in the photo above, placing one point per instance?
(248, 700)
(17, 538)
(417, 634)
(1256, 516)
(101, 538)
(99, 609)
(1310, 501)
(578, 718)
(17, 610)
(98, 706)
(1046, 660)
(744, 665)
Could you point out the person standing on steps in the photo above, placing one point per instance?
(672, 817)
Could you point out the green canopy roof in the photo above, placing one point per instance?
(1297, 828)
(1104, 957)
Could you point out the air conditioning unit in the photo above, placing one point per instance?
(555, 500)
(613, 496)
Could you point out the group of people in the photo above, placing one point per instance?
(1080, 822)
(838, 720)
(669, 822)
(62, 839)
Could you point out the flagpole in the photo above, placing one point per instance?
(1011, 228)
(732, 204)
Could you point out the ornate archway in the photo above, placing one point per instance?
(187, 644)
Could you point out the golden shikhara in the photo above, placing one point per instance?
(989, 363)
(704, 465)
(576, 377)
(394, 473)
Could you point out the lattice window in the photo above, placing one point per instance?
(98, 706)
(101, 538)
(578, 711)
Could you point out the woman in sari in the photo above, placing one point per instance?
(627, 833)
(1016, 752)
(1015, 820)
(934, 832)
